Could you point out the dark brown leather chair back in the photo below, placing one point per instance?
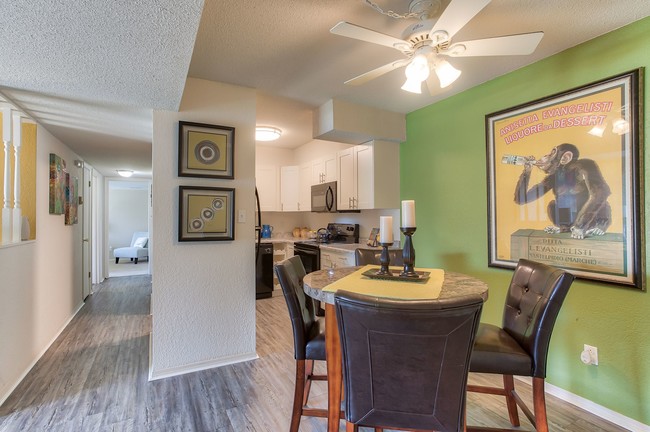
(533, 302)
(406, 362)
(371, 256)
(290, 273)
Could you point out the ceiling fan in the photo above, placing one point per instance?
(426, 42)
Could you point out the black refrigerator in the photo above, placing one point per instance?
(263, 259)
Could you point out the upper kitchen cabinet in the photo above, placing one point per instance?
(289, 188)
(368, 176)
(324, 169)
(305, 181)
(268, 187)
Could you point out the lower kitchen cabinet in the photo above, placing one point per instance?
(333, 258)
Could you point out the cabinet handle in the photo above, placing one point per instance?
(298, 206)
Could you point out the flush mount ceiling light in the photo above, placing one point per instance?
(125, 172)
(267, 133)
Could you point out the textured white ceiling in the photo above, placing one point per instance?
(92, 71)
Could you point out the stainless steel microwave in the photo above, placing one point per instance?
(323, 197)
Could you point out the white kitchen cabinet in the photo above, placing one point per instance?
(305, 182)
(289, 188)
(333, 258)
(368, 176)
(324, 169)
(347, 184)
(268, 187)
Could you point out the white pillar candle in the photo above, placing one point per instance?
(408, 214)
(385, 229)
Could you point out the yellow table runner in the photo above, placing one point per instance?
(396, 289)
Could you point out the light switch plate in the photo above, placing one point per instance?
(241, 216)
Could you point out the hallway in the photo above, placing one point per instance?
(95, 378)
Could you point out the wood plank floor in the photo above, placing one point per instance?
(94, 378)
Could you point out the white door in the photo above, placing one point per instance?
(86, 266)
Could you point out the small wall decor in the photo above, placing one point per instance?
(564, 182)
(205, 150)
(206, 213)
(71, 200)
(57, 184)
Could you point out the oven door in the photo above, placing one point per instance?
(310, 257)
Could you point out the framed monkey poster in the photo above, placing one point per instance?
(564, 182)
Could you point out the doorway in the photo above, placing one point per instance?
(128, 212)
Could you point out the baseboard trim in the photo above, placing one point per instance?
(195, 367)
(592, 407)
(11, 389)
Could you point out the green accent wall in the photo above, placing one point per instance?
(443, 168)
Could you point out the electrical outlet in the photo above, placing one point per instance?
(589, 355)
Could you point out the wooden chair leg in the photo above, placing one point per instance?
(298, 391)
(351, 427)
(309, 371)
(509, 387)
(539, 405)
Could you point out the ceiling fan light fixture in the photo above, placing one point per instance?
(447, 74)
(267, 133)
(125, 172)
(416, 72)
(413, 86)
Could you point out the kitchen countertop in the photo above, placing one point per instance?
(345, 247)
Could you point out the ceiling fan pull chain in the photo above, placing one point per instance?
(390, 13)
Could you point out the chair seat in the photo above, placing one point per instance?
(131, 252)
(315, 349)
(495, 351)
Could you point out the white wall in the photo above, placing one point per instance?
(271, 156)
(203, 300)
(41, 288)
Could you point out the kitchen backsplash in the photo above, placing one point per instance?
(284, 222)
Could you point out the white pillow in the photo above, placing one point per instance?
(140, 242)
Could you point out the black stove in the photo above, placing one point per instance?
(309, 251)
(334, 233)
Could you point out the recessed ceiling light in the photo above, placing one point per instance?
(267, 133)
(125, 172)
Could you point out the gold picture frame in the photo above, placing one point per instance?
(206, 214)
(205, 150)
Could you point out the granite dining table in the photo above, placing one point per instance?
(316, 284)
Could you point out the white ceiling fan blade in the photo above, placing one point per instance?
(361, 33)
(364, 78)
(456, 15)
(520, 44)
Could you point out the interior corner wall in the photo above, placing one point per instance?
(41, 287)
(443, 167)
(203, 299)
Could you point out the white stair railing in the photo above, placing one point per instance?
(7, 230)
(17, 213)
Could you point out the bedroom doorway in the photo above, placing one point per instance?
(128, 212)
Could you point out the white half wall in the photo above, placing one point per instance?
(203, 299)
(40, 280)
